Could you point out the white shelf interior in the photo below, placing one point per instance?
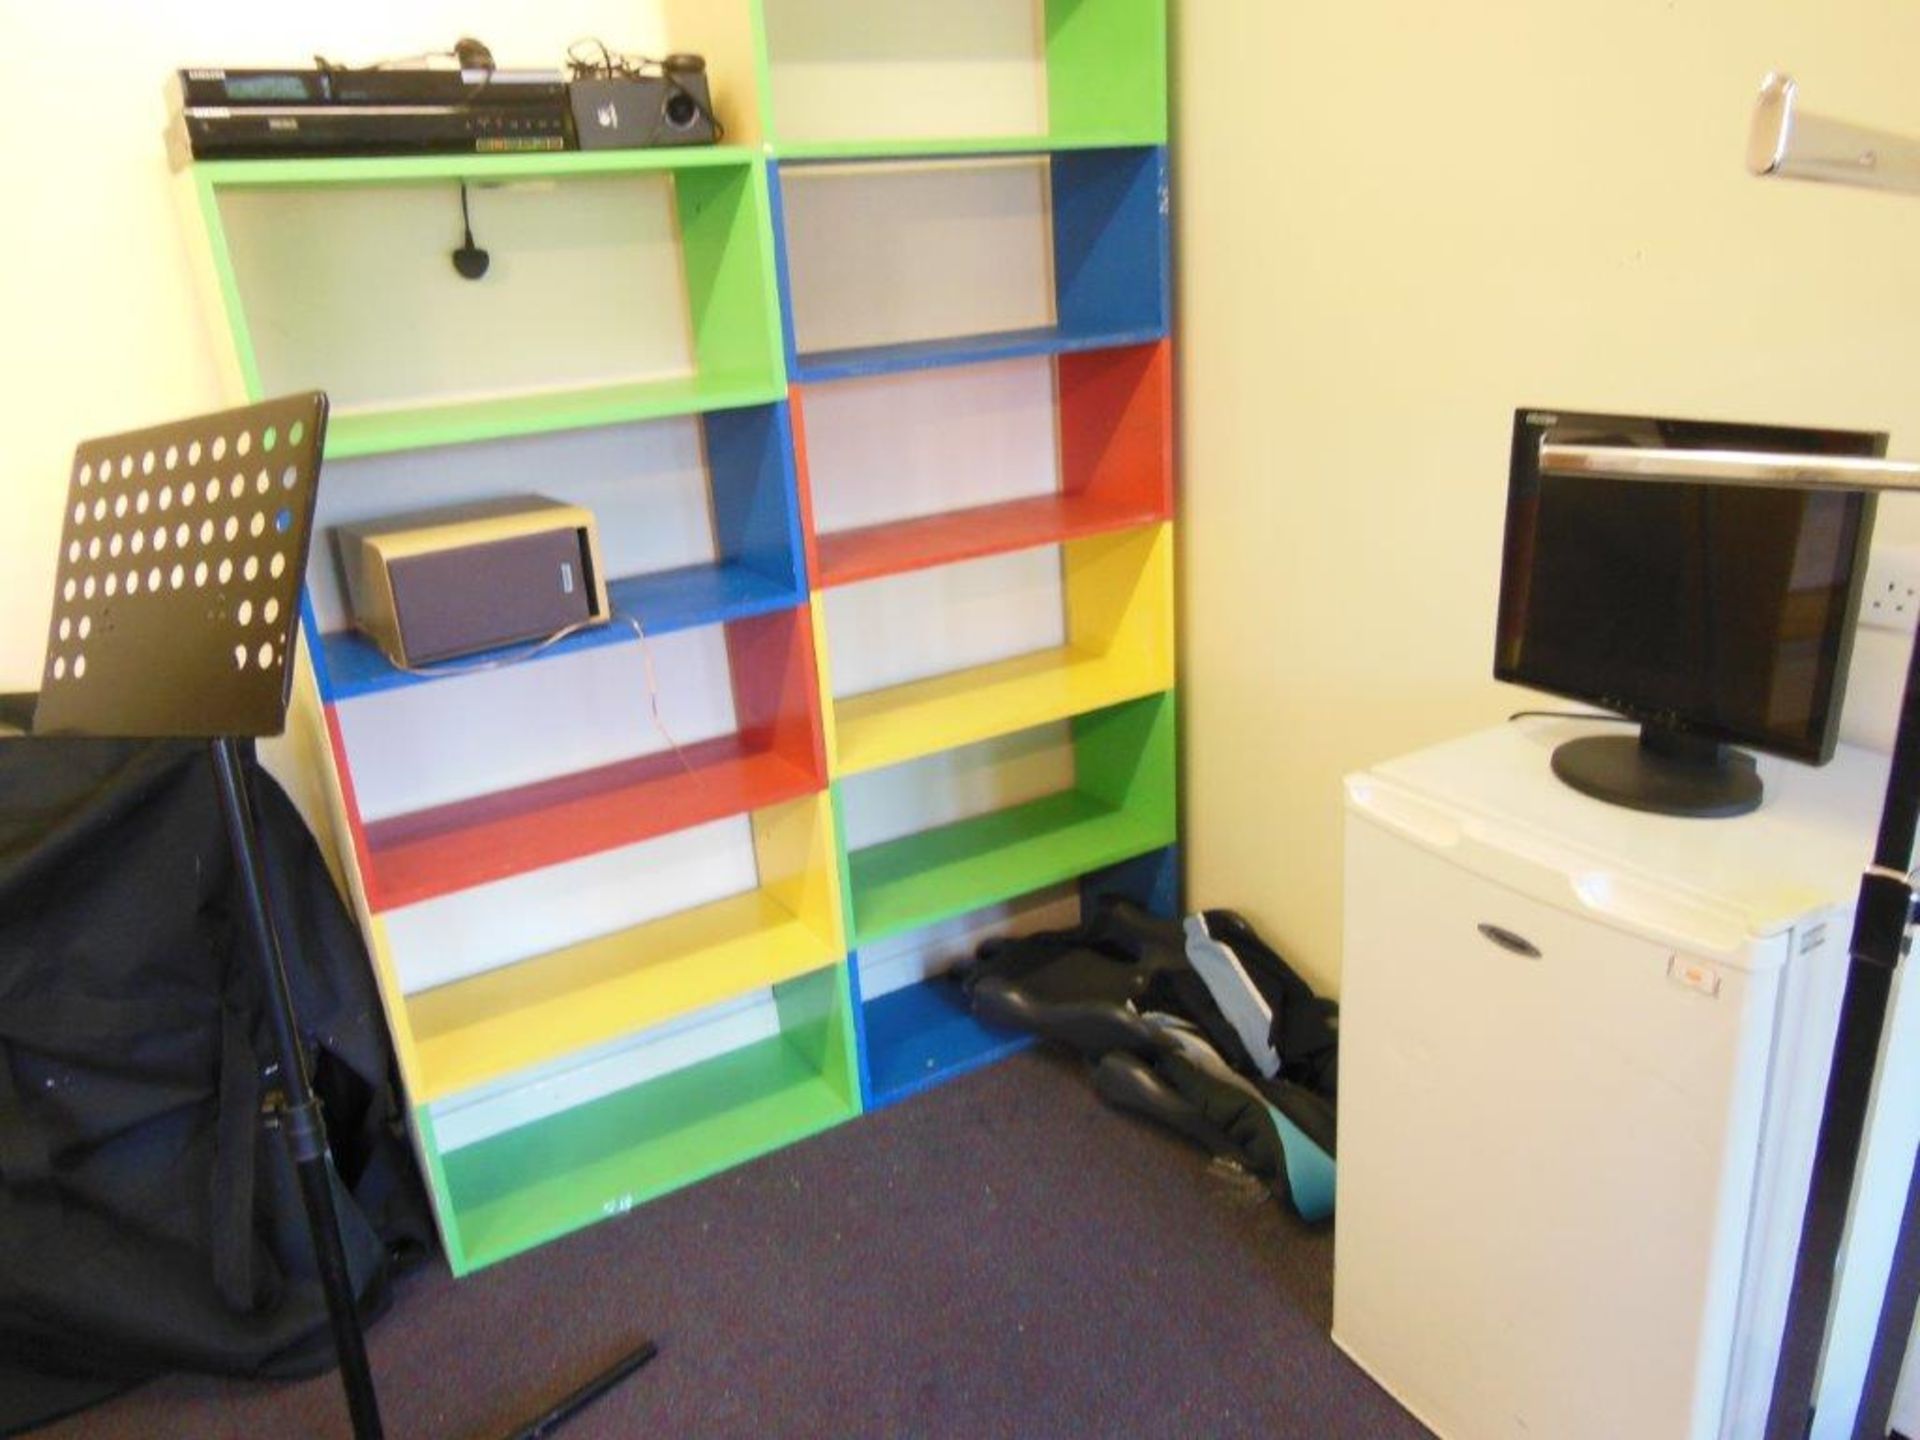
(903, 960)
(417, 746)
(453, 936)
(352, 289)
(881, 254)
(646, 485)
(896, 447)
(908, 627)
(529, 1096)
(906, 69)
(881, 805)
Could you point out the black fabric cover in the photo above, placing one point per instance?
(1098, 988)
(1305, 1032)
(1122, 954)
(149, 1219)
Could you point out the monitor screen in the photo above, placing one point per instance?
(1717, 610)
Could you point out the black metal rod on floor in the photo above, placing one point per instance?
(1881, 920)
(574, 1403)
(298, 1112)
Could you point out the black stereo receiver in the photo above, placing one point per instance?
(224, 133)
(338, 85)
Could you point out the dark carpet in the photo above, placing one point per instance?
(1000, 1257)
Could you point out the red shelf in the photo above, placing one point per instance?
(776, 755)
(849, 556)
(492, 837)
(1116, 471)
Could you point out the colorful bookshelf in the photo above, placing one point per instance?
(580, 1026)
(1074, 89)
(563, 1082)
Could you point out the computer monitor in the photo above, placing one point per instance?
(1715, 615)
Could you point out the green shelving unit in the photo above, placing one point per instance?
(596, 1071)
(567, 1135)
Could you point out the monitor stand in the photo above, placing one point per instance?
(1663, 771)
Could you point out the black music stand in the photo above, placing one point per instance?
(176, 608)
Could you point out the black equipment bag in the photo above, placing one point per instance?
(1122, 989)
(150, 1220)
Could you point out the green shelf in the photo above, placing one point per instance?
(925, 878)
(410, 169)
(1122, 805)
(543, 1181)
(1107, 68)
(535, 1183)
(963, 146)
(374, 432)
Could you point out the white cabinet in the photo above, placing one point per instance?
(1582, 1057)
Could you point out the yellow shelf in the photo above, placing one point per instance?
(479, 1029)
(1120, 625)
(885, 727)
(459, 1035)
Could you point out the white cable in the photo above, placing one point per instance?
(520, 657)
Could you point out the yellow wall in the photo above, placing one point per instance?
(1398, 222)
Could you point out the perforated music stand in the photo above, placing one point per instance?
(175, 611)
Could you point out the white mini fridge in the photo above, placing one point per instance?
(1583, 1051)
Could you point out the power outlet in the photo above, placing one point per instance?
(1891, 597)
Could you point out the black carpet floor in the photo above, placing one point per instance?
(1000, 1257)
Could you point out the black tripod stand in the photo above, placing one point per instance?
(175, 614)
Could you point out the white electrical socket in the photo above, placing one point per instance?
(1890, 599)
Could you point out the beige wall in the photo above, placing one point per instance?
(1396, 223)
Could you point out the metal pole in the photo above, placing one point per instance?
(1879, 938)
(1898, 1304)
(294, 1107)
(551, 1420)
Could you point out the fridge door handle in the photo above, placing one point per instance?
(1509, 940)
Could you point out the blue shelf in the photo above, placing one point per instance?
(819, 365)
(693, 595)
(919, 1036)
(924, 1034)
(665, 601)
